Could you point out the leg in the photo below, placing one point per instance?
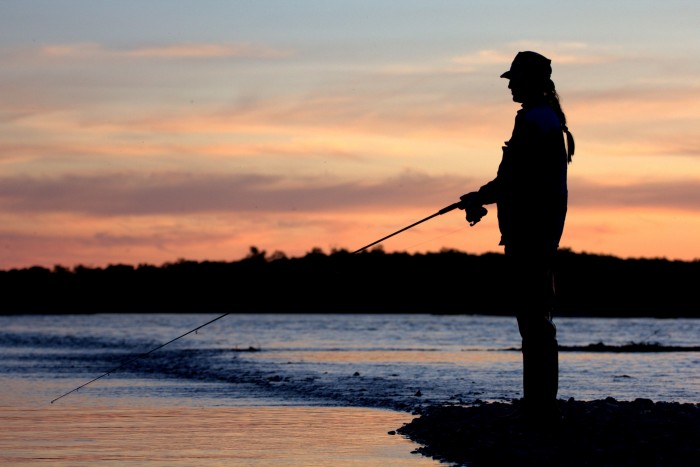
(533, 296)
(540, 363)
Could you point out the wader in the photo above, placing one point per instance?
(531, 289)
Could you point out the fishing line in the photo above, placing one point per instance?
(444, 210)
(139, 357)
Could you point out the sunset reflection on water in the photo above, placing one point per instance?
(396, 356)
(70, 435)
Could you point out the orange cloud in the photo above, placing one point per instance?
(179, 51)
(198, 50)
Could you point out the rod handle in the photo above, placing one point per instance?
(449, 208)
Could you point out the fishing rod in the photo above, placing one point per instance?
(442, 211)
(106, 373)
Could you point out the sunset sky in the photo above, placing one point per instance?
(151, 131)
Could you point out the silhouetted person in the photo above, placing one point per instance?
(530, 192)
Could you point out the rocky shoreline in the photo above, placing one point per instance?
(590, 433)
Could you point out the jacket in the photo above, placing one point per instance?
(530, 188)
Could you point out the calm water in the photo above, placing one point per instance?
(318, 389)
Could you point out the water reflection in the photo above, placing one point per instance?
(390, 356)
(207, 436)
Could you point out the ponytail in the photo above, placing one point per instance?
(553, 100)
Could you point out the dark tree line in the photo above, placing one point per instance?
(447, 282)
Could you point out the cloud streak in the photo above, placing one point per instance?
(181, 51)
(138, 194)
(680, 195)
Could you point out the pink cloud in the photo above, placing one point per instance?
(178, 193)
(177, 51)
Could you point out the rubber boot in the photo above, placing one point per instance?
(541, 380)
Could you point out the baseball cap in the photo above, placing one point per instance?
(530, 65)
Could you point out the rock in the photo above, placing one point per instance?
(589, 433)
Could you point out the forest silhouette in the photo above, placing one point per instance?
(445, 282)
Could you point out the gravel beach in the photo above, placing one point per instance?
(591, 433)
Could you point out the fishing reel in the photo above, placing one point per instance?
(473, 210)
